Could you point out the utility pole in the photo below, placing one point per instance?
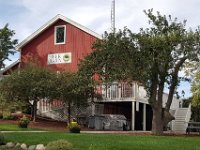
(113, 16)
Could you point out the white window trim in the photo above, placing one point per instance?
(55, 29)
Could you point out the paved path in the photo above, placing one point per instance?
(105, 132)
(23, 131)
(118, 132)
(98, 132)
(132, 132)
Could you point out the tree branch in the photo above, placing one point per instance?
(174, 82)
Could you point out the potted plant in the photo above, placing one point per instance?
(74, 127)
(23, 122)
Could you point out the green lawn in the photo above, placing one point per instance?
(13, 127)
(109, 142)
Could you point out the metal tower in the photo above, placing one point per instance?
(113, 16)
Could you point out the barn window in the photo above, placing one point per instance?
(60, 34)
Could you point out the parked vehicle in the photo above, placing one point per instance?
(109, 122)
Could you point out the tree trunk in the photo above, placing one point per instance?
(157, 121)
(69, 112)
(34, 110)
(167, 118)
(156, 103)
(31, 106)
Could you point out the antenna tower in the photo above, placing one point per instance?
(113, 16)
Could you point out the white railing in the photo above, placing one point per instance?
(188, 116)
(182, 116)
(119, 91)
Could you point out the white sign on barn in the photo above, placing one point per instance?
(59, 58)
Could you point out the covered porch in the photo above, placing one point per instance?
(138, 114)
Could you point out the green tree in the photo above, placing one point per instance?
(9, 106)
(65, 87)
(7, 44)
(196, 90)
(72, 89)
(3, 103)
(153, 56)
(195, 109)
(195, 100)
(32, 84)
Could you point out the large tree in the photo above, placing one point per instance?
(7, 44)
(30, 85)
(153, 56)
(73, 89)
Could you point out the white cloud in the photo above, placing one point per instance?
(31, 14)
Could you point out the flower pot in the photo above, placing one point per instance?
(23, 125)
(75, 130)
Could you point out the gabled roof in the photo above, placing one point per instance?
(52, 21)
(10, 66)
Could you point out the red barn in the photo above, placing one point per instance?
(60, 44)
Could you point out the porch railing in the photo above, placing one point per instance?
(119, 91)
(188, 116)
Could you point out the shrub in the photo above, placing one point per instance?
(2, 139)
(74, 127)
(59, 145)
(8, 117)
(23, 122)
(18, 116)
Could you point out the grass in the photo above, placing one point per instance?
(109, 141)
(13, 127)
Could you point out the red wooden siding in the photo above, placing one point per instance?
(78, 43)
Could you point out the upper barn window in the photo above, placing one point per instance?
(60, 34)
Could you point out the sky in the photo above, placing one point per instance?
(26, 16)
